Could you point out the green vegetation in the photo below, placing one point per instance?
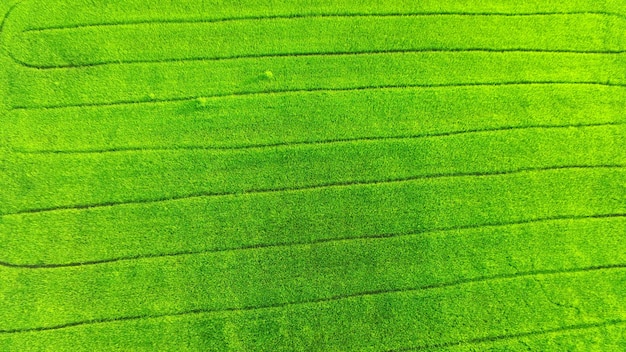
(312, 175)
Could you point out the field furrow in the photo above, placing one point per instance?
(312, 175)
(315, 35)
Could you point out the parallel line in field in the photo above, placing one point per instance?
(316, 143)
(316, 242)
(321, 89)
(322, 15)
(371, 293)
(345, 184)
(445, 285)
(498, 338)
(310, 54)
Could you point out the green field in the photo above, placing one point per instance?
(312, 175)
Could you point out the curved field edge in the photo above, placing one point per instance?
(238, 78)
(92, 46)
(5, 101)
(84, 12)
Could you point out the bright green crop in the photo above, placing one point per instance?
(312, 175)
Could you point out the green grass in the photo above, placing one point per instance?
(312, 175)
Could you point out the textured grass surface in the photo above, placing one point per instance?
(313, 175)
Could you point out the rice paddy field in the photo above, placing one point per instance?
(312, 175)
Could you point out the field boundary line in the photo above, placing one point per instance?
(2, 25)
(321, 89)
(327, 15)
(497, 338)
(316, 143)
(445, 285)
(311, 54)
(316, 242)
(344, 184)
